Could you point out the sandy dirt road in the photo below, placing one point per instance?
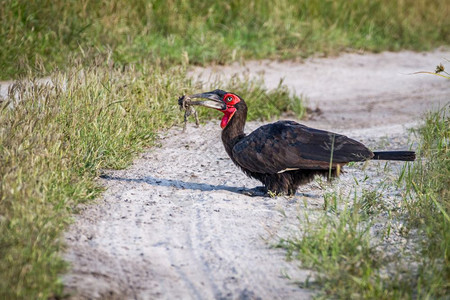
(175, 225)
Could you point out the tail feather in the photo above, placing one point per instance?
(394, 155)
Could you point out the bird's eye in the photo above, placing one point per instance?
(229, 98)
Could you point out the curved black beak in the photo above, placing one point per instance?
(214, 100)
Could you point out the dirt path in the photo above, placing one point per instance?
(175, 226)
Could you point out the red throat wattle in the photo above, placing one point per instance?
(230, 100)
(227, 115)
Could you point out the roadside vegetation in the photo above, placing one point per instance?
(47, 33)
(359, 247)
(116, 69)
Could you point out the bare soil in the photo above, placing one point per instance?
(175, 225)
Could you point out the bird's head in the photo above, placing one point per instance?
(226, 102)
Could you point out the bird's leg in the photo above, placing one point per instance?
(291, 192)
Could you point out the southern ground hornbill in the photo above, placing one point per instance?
(284, 154)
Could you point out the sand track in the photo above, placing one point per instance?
(175, 225)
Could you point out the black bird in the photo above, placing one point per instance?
(285, 154)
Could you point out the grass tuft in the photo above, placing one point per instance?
(428, 204)
(339, 248)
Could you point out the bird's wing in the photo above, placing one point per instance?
(287, 145)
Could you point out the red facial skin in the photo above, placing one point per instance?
(230, 100)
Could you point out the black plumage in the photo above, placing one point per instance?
(285, 154)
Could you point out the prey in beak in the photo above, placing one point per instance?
(213, 100)
(218, 99)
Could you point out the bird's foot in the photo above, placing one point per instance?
(259, 191)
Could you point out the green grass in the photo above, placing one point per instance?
(350, 261)
(339, 247)
(57, 138)
(47, 33)
(428, 205)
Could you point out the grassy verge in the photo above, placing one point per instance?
(57, 137)
(360, 247)
(47, 33)
(428, 205)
